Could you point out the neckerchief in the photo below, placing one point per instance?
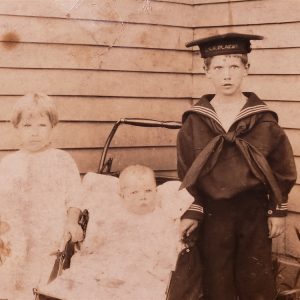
(256, 161)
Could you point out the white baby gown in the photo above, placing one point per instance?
(125, 256)
(35, 189)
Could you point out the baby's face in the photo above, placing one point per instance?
(34, 131)
(139, 194)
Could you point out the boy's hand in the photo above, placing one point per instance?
(187, 226)
(276, 226)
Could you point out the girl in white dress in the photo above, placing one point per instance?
(39, 196)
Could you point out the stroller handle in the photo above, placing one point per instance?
(151, 123)
(133, 122)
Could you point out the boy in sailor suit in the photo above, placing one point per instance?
(237, 162)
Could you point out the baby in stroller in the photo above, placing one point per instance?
(131, 242)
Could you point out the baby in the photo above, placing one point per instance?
(39, 196)
(130, 246)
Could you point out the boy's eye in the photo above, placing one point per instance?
(27, 125)
(134, 192)
(218, 68)
(235, 67)
(43, 125)
(148, 191)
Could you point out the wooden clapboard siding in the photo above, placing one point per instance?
(94, 83)
(247, 12)
(160, 159)
(77, 108)
(288, 113)
(294, 203)
(88, 32)
(101, 62)
(93, 135)
(49, 56)
(293, 136)
(284, 35)
(132, 11)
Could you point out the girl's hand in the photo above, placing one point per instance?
(74, 232)
(276, 226)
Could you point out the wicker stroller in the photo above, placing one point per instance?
(105, 167)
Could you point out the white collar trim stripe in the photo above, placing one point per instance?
(243, 113)
(206, 111)
(251, 110)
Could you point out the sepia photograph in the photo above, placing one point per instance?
(149, 150)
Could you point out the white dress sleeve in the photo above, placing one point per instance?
(72, 180)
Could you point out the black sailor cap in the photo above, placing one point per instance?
(229, 43)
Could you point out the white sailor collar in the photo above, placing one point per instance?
(252, 106)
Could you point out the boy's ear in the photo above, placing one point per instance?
(247, 66)
(206, 70)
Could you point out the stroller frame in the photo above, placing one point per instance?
(105, 164)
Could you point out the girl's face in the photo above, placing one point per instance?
(34, 131)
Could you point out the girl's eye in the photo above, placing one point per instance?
(148, 191)
(27, 125)
(43, 125)
(134, 192)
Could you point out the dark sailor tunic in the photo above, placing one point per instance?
(254, 154)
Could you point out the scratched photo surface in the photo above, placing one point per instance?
(102, 61)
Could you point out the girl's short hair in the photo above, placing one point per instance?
(243, 57)
(33, 103)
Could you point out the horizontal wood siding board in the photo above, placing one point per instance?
(271, 87)
(291, 238)
(95, 83)
(297, 160)
(288, 113)
(266, 61)
(127, 59)
(156, 158)
(94, 58)
(276, 35)
(66, 31)
(247, 12)
(107, 109)
(294, 204)
(133, 11)
(93, 135)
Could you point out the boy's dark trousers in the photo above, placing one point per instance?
(236, 249)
